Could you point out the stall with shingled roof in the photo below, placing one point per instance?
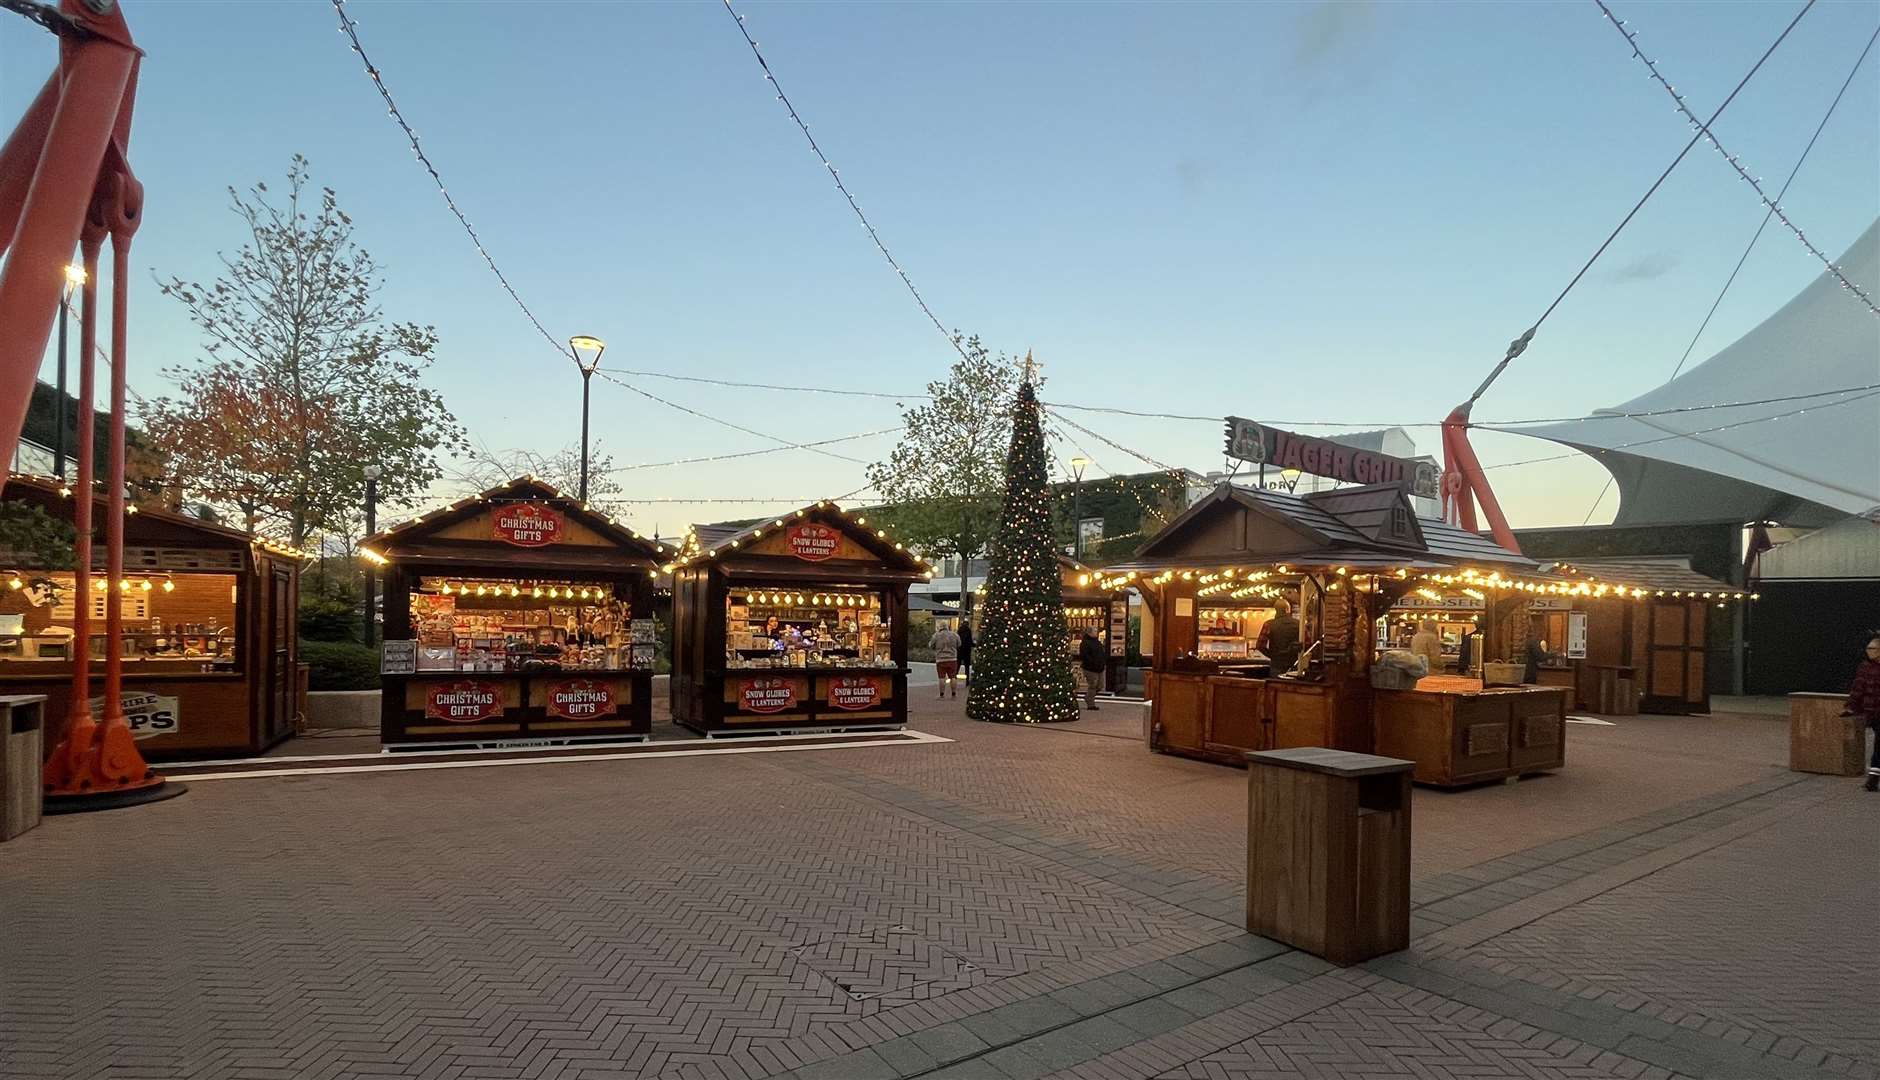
(517, 616)
(796, 622)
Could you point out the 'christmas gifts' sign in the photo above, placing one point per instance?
(767, 694)
(814, 542)
(580, 699)
(527, 524)
(464, 702)
(854, 692)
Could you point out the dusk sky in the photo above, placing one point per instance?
(1292, 212)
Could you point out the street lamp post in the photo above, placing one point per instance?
(74, 277)
(372, 575)
(587, 350)
(1078, 465)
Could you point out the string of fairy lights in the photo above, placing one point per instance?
(1705, 133)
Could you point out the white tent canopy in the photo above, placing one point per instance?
(1758, 462)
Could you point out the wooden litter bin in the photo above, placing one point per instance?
(1328, 851)
(1821, 740)
(22, 734)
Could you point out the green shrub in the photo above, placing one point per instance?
(340, 665)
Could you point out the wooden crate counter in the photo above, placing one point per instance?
(799, 622)
(1460, 737)
(516, 615)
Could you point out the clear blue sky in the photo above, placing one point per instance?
(1286, 211)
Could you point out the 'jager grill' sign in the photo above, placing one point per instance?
(528, 524)
(1257, 444)
(814, 542)
(465, 702)
(768, 694)
(854, 692)
(580, 699)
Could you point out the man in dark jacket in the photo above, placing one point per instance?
(1091, 660)
(966, 649)
(1863, 700)
(1279, 638)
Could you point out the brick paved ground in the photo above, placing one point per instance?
(1018, 903)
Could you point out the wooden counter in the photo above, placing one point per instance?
(505, 706)
(1468, 737)
(1222, 717)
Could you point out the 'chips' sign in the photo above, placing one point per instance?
(527, 524)
(465, 702)
(814, 542)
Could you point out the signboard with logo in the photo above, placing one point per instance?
(580, 699)
(1441, 603)
(146, 714)
(1576, 635)
(1550, 603)
(527, 524)
(854, 692)
(466, 701)
(767, 694)
(814, 542)
(398, 658)
(1258, 444)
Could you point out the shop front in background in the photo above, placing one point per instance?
(208, 642)
(796, 623)
(1089, 609)
(516, 616)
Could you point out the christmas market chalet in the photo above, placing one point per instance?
(516, 615)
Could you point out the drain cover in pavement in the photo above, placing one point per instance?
(892, 967)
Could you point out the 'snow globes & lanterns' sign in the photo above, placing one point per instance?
(854, 692)
(767, 694)
(814, 543)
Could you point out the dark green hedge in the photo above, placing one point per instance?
(340, 665)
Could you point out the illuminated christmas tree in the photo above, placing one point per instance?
(1021, 666)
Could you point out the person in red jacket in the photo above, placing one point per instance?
(1864, 701)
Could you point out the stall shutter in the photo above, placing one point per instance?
(1674, 659)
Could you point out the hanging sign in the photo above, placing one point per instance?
(1119, 627)
(767, 694)
(1258, 444)
(814, 543)
(145, 714)
(465, 702)
(854, 692)
(580, 699)
(527, 524)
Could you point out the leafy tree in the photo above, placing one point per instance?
(34, 539)
(943, 479)
(1021, 671)
(304, 383)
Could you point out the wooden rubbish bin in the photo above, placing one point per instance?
(1328, 852)
(22, 731)
(1821, 740)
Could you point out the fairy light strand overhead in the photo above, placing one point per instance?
(873, 234)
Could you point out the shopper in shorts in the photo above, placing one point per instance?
(946, 660)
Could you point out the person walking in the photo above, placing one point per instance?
(946, 659)
(966, 653)
(1864, 701)
(1091, 660)
(1428, 644)
(1279, 638)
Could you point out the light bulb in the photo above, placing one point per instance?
(169, 586)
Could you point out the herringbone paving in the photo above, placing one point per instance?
(993, 907)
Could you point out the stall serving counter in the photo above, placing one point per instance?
(1087, 606)
(1458, 732)
(795, 623)
(516, 616)
(210, 655)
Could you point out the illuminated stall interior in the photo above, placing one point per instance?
(208, 641)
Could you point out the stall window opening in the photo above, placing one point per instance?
(520, 625)
(166, 617)
(800, 627)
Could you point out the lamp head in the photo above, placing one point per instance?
(373, 472)
(1078, 465)
(587, 351)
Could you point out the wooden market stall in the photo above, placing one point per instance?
(1088, 606)
(209, 644)
(799, 622)
(1341, 558)
(518, 614)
